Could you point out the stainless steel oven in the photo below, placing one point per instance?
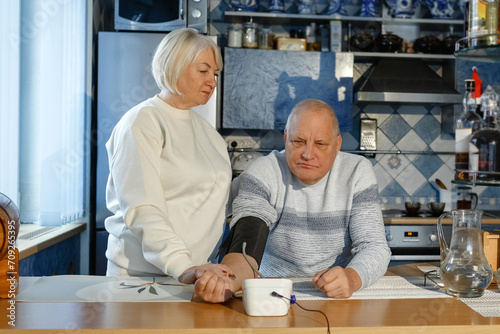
(413, 241)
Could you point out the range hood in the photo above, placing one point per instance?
(404, 81)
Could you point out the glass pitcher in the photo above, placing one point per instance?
(464, 269)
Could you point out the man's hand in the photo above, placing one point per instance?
(337, 282)
(213, 282)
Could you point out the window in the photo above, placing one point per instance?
(44, 108)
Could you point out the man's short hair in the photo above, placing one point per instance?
(176, 52)
(313, 104)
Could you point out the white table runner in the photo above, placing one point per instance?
(82, 288)
(388, 287)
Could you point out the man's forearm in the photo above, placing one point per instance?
(240, 268)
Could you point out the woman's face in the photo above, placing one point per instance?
(198, 81)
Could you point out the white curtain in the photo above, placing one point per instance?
(52, 107)
(9, 98)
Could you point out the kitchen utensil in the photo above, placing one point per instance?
(441, 184)
(464, 269)
(436, 208)
(466, 198)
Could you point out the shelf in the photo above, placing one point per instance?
(475, 181)
(482, 51)
(402, 55)
(277, 18)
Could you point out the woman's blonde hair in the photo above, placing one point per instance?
(176, 52)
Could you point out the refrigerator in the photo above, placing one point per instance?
(124, 79)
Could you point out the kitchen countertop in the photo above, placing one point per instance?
(430, 315)
(397, 217)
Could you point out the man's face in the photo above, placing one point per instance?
(311, 145)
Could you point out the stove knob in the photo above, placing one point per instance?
(433, 238)
(389, 237)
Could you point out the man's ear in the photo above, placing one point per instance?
(284, 136)
(339, 143)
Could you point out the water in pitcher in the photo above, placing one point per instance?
(465, 273)
(464, 269)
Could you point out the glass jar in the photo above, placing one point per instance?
(234, 37)
(250, 35)
(266, 39)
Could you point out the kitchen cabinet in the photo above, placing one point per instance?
(444, 65)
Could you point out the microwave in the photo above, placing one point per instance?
(161, 15)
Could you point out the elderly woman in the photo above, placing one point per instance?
(170, 172)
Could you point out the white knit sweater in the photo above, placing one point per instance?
(335, 222)
(168, 186)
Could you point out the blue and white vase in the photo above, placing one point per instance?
(276, 6)
(307, 7)
(405, 8)
(245, 5)
(336, 7)
(440, 9)
(370, 8)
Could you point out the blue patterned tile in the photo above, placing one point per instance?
(393, 189)
(395, 128)
(491, 192)
(426, 190)
(428, 128)
(428, 164)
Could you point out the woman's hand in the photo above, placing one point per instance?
(213, 282)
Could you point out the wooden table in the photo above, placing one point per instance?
(440, 315)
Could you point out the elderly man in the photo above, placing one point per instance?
(310, 211)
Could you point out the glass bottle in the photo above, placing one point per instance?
(466, 124)
(477, 22)
(492, 22)
(484, 148)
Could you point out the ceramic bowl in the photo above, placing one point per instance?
(259, 301)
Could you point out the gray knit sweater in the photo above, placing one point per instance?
(335, 222)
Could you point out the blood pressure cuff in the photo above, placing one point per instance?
(253, 231)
